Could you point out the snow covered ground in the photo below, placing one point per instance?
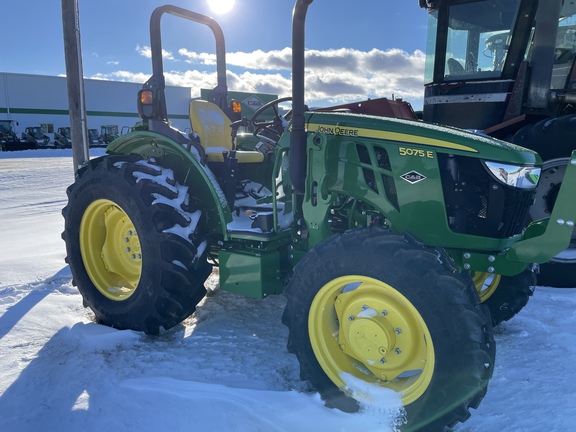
(226, 368)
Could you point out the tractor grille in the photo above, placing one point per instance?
(382, 158)
(477, 204)
(378, 171)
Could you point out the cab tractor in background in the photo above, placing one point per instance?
(363, 222)
(507, 68)
(34, 135)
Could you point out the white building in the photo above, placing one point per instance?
(39, 100)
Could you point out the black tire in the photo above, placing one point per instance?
(158, 274)
(459, 331)
(505, 296)
(554, 139)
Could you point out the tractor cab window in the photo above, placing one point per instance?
(431, 46)
(37, 132)
(478, 37)
(565, 48)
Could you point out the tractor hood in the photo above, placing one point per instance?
(420, 135)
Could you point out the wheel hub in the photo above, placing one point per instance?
(111, 249)
(369, 338)
(121, 251)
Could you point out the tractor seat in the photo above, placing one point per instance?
(213, 128)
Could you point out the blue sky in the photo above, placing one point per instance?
(357, 48)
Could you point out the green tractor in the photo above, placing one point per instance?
(372, 227)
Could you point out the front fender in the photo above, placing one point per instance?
(546, 238)
(204, 187)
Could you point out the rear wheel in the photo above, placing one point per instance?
(370, 307)
(553, 139)
(504, 296)
(134, 244)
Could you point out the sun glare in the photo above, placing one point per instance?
(221, 6)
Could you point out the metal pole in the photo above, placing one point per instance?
(75, 83)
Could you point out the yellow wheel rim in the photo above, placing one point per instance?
(110, 249)
(486, 284)
(364, 327)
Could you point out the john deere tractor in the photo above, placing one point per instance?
(372, 228)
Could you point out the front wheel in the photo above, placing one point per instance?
(371, 307)
(134, 244)
(504, 296)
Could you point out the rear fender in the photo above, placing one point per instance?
(188, 170)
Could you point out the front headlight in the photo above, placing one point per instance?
(523, 177)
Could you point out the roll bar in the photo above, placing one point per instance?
(157, 83)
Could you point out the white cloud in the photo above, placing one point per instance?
(332, 76)
(146, 51)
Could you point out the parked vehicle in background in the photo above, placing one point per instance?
(94, 139)
(9, 140)
(507, 68)
(63, 138)
(35, 135)
(108, 133)
(126, 129)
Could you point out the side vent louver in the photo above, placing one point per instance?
(379, 163)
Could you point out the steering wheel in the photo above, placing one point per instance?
(271, 128)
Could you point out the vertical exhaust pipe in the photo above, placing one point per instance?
(298, 134)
